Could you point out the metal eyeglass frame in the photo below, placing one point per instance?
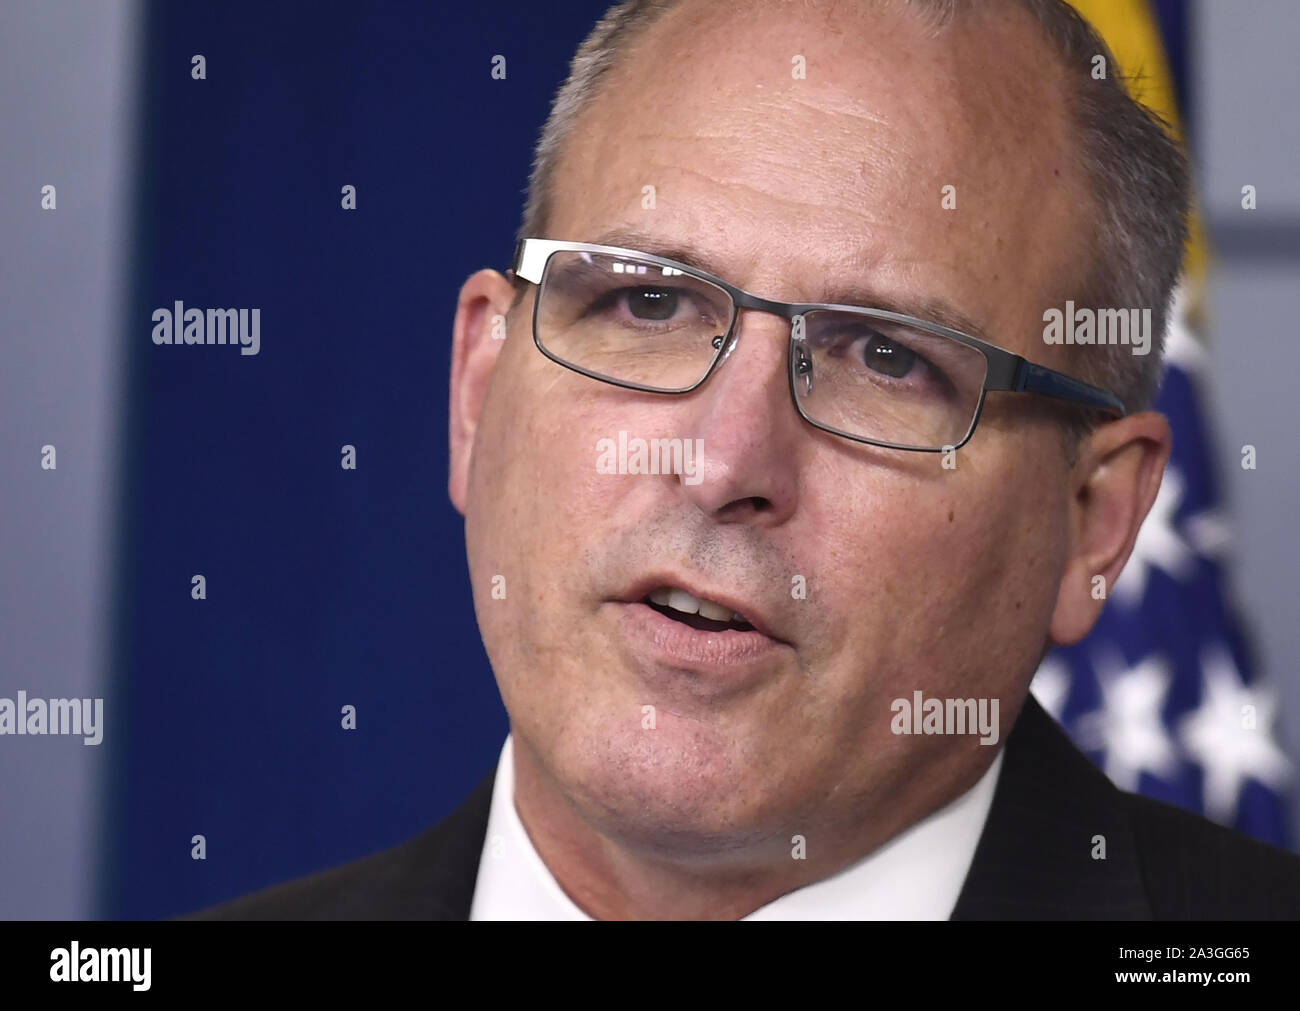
(1004, 372)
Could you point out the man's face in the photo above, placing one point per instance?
(918, 576)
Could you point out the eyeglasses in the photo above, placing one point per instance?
(652, 324)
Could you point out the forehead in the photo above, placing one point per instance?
(798, 142)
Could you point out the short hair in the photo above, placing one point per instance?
(1136, 170)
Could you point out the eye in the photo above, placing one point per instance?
(652, 303)
(888, 357)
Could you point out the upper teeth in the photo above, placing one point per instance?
(680, 600)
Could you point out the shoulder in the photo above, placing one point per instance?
(1193, 869)
(1063, 842)
(429, 877)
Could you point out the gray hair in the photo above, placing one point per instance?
(1137, 172)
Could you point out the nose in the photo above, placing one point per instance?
(750, 432)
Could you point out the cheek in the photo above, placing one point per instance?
(954, 572)
(996, 578)
(535, 499)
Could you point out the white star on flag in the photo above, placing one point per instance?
(1230, 748)
(1208, 533)
(1128, 727)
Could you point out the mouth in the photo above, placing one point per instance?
(716, 642)
(703, 609)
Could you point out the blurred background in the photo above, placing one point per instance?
(328, 587)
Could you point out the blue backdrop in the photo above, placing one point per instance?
(325, 587)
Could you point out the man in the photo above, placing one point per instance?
(764, 583)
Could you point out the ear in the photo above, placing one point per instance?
(476, 341)
(1112, 487)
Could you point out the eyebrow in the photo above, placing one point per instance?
(932, 310)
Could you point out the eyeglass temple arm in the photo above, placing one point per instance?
(1030, 378)
(530, 257)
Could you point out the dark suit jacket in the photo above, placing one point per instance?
(1034, 859)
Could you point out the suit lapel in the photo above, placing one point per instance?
(1036, 857)
(448, 857)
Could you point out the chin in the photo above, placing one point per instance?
(681, 788)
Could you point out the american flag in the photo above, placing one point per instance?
(1163, 694)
